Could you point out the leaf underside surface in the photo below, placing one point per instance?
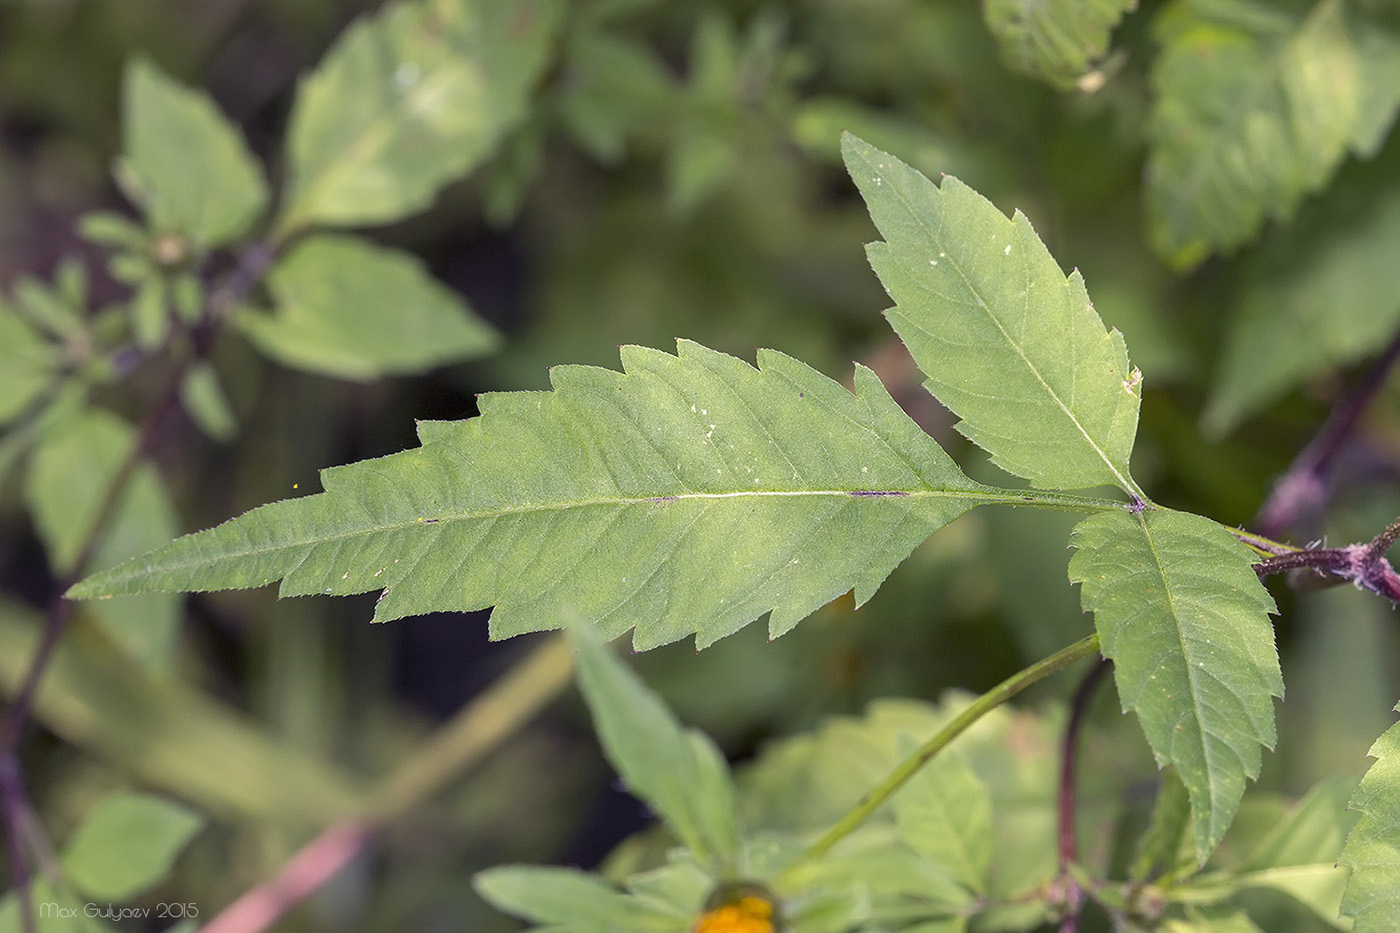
(692, 493)
(1372, 851)
(1184, 618)
(1056, 41)
(1008, 342)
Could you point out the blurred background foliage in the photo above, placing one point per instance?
(676, 173)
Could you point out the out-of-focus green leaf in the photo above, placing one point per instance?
(1009, 343)
(1160, 847)
(64, 914)
(690, 494)
(70, 475)
(679, 773)
(1254, 109)
(1055, 41)
(1299, 856)
(1323, 292)
(128, 843)
(406, 101)
(167, 735)
(348, 308)
(567, 899)
(188, 166)
(114, 231)
(150, 312)
(1372, 850)
(806, 782)
(1185, 621)
(1313, 832)
(1222, 919)
(47, 307)
(705, 149)
(818, 123)
(945, 814)
(27, 363)
(614, 87)
(204, 399)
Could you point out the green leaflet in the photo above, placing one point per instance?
(27, 364)
(1182, 615)
(1009, 343)
(128, 843)
(1372, 851)
(691, 494)
(185, 163)
(349, 308)
(1254, 109)
(406, 101)
(1055, 41)
(945, 814)
(574, 900)
(676, 771)
(71, 468)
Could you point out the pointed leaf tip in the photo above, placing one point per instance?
(1185, 620)
(1009, 342)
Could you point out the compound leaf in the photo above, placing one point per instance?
(1254, 109)
(406, 101)
(349, 308)
(691, 493)
(1009, 343)
(185, 163)
(1372, 851)
(1055, 41)
(1182, 615)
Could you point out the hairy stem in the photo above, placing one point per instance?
(480, 726)
(906, 769)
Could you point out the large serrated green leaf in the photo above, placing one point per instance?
(691, 494)
(678, 772)
(1372, 851)
(190, 167)
(349, 308)
(1182, 615)
(1009, 343)
(406, 101)
(1254, 109)
(1057, 40)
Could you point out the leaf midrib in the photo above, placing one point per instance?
(975, 496)
(1122, 480)
(1196, 708)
